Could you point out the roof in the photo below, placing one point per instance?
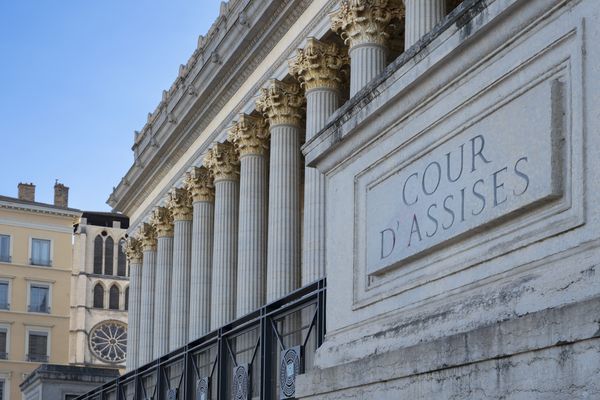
(99, 218)
(15, 203)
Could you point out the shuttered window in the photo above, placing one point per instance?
(4, 248)
(38, 346)
(2, 384)
(3, 343)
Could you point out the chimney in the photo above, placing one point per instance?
(26, 191)
(61, 195)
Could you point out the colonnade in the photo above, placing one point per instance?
(229, 239)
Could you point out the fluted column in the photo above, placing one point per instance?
(250, 138)
(282, 103)
(223, 162)
(363, 25)
(148, 235)
(200, 183)
(133, 251)
(162, 219)
(421, 17)
(321, 68)
(180, 203)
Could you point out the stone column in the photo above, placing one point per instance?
(250, 137)
(200, 183)
(133, 251)
(223, 162)
(180, 203)
(363, 24)
(421, 17)
(282, 103)
(321, 68)
(162, 219)
(148, 235)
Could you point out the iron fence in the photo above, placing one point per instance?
(257, 356)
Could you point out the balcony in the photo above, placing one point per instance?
(41, 358)
(39, 308)
(3, 355)
(5, 258)
(4, 306)
(257, 356)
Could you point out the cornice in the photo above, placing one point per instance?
(49, 210)
(183, 135)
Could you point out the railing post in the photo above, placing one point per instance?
(221, 357)
(266, 344)
(187, 377)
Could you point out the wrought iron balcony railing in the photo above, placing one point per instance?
(3, 355)
(41, 358)
(255, 357)
(38, 308)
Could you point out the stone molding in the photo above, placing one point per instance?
(320, 65)
(148, 237)
(365, 22)
(162, 220)
(133, 250)
(223, 161)
(281, 103)
(200, 182)
(180, 204)
(250, 135)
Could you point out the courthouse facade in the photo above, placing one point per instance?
(433, 160)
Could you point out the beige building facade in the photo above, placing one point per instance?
(35, 279)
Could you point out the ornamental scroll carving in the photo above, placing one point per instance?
(133, 250)
(366, 21)
(147, 235)
(180, 204)
(281, 103)
(162, 219)
(320, 65)
(250, 135)
(223, 161)
(200, 183)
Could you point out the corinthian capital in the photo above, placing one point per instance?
(250, 135)
(319, 65)
(365, 21)
(199, 182)
(223, 162)
(133, 250)
(180, 204)
(148, 237)
(281, 103)
(162, 220)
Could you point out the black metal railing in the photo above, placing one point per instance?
(3, 356)
(254, 357)
(42, 358)
(38, 308)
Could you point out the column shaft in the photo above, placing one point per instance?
(180, 287)
(320, 104)
(252, 245)
(164, 268)
(133, 316)
(147, 307)
(283, 257)
(202, 254)
(421, 17)
(366, 62)
(224, 252)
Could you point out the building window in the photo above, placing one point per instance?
(121, 260)
(2, 387)
(39, 298)
(4, 295)
(4, 248)
(109, 251)
(127, 298)
(98, 244)
(3, 344)
(37, 347)
(40, 252)
(113, 299)
(98, 296)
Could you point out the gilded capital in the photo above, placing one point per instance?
(320, 65)
(223, 161)
(281, 103)
(366, 21)
(162, 220)
(250, 135)
(148, 237)
(133, 250)
(180, 204)
(200, 183)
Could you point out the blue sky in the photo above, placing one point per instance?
(77, 77)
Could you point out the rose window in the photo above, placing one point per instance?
(108, 341)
